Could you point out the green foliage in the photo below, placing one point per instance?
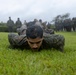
(61, 17)
(52, 26)
(3, 29)
(45, 62)
(2, 24)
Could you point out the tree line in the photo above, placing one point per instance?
(59, 23)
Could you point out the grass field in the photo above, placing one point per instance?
(45, 62)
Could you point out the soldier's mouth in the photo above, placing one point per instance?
(35, 49)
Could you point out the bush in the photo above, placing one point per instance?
(3, 29)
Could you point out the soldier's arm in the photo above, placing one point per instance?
(22, 30)
(59, 42)
(55, 41)
(16, 40)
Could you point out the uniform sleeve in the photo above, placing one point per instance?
(55, 41)
(16, 40)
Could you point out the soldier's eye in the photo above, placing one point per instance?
(38, 42)
(31, 43)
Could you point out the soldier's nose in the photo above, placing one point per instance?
(34, 46)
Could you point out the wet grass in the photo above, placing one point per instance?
(45, 62)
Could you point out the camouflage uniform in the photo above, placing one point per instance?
(50, 31)
(50, 41)
(22, 30)
(10, 24)
(18, 23)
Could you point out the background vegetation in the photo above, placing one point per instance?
(45, 62)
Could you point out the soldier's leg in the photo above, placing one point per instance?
(8, 29)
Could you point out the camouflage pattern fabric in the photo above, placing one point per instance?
(50, 41)
(54, 41)
(22, 30)
(10, 24)
(50, 31)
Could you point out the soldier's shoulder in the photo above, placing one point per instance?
(45, 35)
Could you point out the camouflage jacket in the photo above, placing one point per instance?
(50, 41)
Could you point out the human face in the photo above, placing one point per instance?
(35, 43)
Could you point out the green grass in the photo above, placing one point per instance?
(45, 62)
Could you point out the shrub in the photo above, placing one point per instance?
(3, 29)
